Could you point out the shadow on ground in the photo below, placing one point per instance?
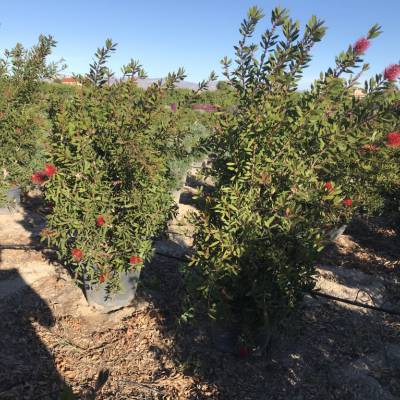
(323, 351)
(371, 245)
(27, 364)
(27, 369)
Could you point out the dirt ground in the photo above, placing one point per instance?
(51, 339)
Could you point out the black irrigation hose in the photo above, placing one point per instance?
(13, 246)
(320, 294)
(355, 303)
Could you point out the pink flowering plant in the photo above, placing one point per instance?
(285, 170)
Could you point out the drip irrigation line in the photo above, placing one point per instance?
(12, 246)
(355, 303)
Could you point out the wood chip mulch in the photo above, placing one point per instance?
(149, 355)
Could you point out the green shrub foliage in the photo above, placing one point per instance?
(110, 192)
(286, 170)
(22, 112)
(110, 174)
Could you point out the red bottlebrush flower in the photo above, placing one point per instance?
(135, 260)
(49, 170)
(393, 139)
(102, 278)
(361, 46)
(392, 72)
(347, 202)
(77, 254)
(328, 186)
(244, 351)
(100, 220)
(38, 178)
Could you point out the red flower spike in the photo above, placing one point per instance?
(49, 170)
(102, 278)
(100, 220)
(328, 186)
(392, 72)
(77, 254)
(361, 46)
(347, 202)
(244, 351)
(393, 139)
(135, 260)
(38, 178)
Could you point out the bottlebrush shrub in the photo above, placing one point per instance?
(110, 192)
(259, 233)
(375, 179)
(184, 132)
(346, 136)
(22, 141)
(379, 167)
(386, 185)
(23, 124)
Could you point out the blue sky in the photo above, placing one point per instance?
(164, 35)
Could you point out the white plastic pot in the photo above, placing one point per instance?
(13, 199)
(333, 234)
(97, 294)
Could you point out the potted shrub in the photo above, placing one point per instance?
(281, 173)
(110, 192)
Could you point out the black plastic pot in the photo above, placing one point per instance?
(225, 337)
(97, 295)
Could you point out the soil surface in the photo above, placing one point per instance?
(53, 342)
